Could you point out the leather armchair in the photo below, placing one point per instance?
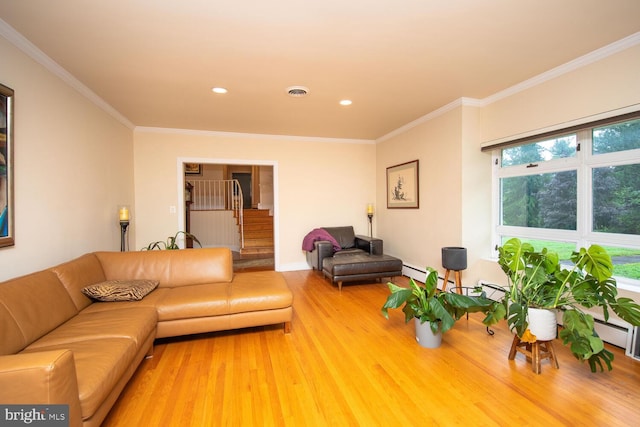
(349, 242)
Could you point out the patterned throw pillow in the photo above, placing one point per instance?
(120, 290)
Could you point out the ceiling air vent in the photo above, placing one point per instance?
(297, 91)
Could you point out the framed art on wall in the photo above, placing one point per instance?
(7, 237)
(403, 186)
(192, 169)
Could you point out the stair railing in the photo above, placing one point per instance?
(219, 194)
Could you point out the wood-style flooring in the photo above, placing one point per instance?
(252, 262)
(344, 364)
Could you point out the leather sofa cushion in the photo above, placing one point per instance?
(361, 264)
(345, 236)
(78, 273)
(135, 323)
(171, 268)
(350, 251)
(194, 301)
(45, 377)
(12, 338)
(28, 313)
(100, 363)
(273, 292)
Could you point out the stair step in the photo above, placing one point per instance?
(266, 241)
(255, 212)
(256, 220)
(258, 226)
(257, 250)
(254, 234)
(258, 231)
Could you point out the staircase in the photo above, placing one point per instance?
(258, 232)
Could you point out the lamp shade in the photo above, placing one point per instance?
(123, 213)
(370, 209)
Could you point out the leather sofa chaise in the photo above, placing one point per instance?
(347, 257)
(58, 346)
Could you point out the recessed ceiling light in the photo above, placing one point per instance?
(297, 91)
(345, 102)
(219, 90)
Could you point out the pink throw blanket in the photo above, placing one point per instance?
(318, 234)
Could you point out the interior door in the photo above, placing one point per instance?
(245, 184)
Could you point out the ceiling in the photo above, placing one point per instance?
(155, 61)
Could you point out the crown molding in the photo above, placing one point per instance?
(568, 67)
(18, 40)
(21, 42)
(582, 61)
(460, 102)
(146, 129)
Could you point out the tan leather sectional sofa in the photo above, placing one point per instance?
(57, 346)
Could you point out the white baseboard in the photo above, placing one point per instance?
(293, 266)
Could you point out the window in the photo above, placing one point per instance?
(574, 189)
(544, 200)
(550, 149)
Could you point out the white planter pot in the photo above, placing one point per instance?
(542, 323)
(425, 336)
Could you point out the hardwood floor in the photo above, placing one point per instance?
(252, 262)
(344, 364)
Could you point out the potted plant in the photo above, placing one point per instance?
(171, 243)
(537, 280)
(433, 309)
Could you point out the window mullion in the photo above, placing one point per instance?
(538, 208)
(584, 222)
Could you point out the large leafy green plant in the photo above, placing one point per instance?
(538, 279)
(427, 303)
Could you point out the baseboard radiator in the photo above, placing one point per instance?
(414, 273)
(635, 344)
(613, 331)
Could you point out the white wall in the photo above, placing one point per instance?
(609, 84)
(317, 182)
(72, 167)
(605, 85)
(74, 164)
(417, 235)
(476, 203)
(455, 176)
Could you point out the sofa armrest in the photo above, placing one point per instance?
(40, 378)
(371, 245)
(322, 249)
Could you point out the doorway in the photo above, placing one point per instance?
(259, 186)
(245, 185)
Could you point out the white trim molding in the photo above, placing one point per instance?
(144, 129)
(21, 42)
(276, 192)
(568, 67)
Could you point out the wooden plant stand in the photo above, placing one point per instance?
(535, 352)
(458, 280)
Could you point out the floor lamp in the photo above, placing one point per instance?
(123, 215)
(370, 216)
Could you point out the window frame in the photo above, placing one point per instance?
(584, 162)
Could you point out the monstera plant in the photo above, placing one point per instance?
(537, 279)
